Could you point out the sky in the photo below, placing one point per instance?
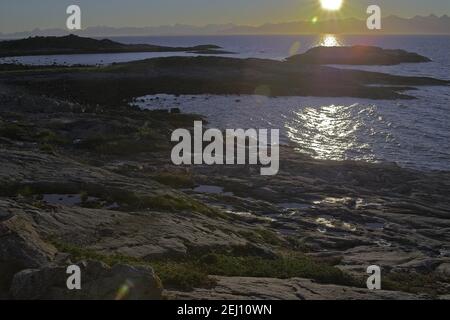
(25, 15)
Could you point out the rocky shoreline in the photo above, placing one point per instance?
(113, 84)
(91, 182)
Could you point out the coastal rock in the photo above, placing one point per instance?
(242, 288)
(21, 245)
(99, 282)
(444, 269)
(356, 55)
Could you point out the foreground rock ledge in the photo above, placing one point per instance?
(99, 282)
(243, 288)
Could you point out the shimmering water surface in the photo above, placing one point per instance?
(411, 133)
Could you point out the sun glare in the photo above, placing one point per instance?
(331, 5)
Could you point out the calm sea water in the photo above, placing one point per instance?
(412, 133)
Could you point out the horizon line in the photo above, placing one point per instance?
(221, 24)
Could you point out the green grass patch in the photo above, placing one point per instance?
(121, 145)
(175, 180)
(269, 237)
(25, 191)
(50, 137)
(261, 235)
(283, 267)
(414, 282)
(183, 275)
(13, 131)
(194, 271)
(47, 148)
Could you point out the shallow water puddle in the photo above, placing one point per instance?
(326, 222)
(348, 226)
(250, 215)
(333, 200)
(375, 226)
(72, 200)
(361, 204)
(62, 199)
(212, 190)
(294, 205)
(383, 243)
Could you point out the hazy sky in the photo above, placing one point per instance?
(22, 15)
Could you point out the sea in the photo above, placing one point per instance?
(412, 133)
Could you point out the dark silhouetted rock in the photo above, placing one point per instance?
(357, 55)
(73, 44)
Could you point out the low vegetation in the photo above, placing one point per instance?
(194, 271)
(417, 283)
(175, 180)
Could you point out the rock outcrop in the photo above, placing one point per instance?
(99, 282)
(241, 288)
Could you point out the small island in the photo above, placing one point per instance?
(73, 44)
(357, 55)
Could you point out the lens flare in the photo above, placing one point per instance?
(124, 290)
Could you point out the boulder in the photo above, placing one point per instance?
(98, 282)
(21, 247)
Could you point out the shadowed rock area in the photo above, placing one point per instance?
(100, 282)
(211, 75)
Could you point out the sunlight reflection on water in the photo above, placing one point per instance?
(329, 132)
(330, 40)
(409, 133)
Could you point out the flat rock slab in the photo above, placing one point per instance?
(242, 288)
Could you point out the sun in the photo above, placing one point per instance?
(331, 5)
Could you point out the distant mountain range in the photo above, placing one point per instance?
(431, 24)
